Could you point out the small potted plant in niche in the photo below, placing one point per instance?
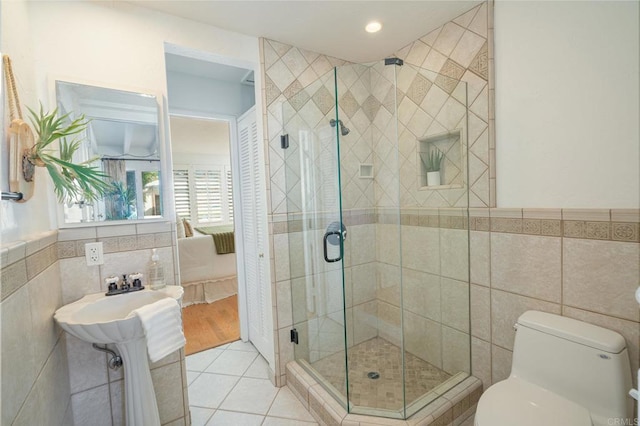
(432, 164)
(71, 181)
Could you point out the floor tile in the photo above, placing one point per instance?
(200, 416)
(209, 390)
(191, 376)
(239, 345)
(401, 375)
(234, 363)
(201, 360)
(251, 396)
(259, 369)
(287, 405)
(277, 421)
(230, 418)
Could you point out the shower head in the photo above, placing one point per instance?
(344, 131)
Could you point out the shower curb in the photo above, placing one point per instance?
(451, 409)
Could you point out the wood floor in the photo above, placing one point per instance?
(209, 325)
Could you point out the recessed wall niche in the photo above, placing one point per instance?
(451, 167)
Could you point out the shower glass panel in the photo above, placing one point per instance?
(316, 250)
(381, 311)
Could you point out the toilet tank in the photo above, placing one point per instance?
(584, 363)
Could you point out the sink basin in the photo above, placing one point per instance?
(97, 318)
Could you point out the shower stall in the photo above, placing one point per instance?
(378, 253)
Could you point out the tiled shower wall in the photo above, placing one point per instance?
(432, 100)
(301, 83)
(429, 103)
(430, 309)
(52, 372)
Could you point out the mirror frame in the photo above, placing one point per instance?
(166, 180)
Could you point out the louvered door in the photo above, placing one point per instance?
(254, 236)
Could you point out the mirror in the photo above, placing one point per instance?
(122, 139)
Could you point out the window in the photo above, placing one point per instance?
(181, 193)
(229, 194)
(203, 194)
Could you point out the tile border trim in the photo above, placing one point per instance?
(543, 222)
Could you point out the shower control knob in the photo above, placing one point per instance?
(261, 255)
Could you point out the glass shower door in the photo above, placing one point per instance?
(382, 316)
(315, 231)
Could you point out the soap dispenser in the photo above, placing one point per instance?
(155, 272)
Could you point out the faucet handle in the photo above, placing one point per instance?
(111, 280)
(136, 279)
(112, 283)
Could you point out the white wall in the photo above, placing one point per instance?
(196, 141)
(567, 104)
(114, 44)
(36, 215)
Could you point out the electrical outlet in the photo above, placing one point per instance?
(93, 254)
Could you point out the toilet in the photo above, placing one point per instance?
(564, 373)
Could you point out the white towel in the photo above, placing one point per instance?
(162, 323)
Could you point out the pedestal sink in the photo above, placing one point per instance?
(97, 318)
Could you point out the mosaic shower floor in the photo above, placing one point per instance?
(386, 392)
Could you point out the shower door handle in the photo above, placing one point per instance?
(324, 246)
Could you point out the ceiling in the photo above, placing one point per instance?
(207, 69)
(334, 28)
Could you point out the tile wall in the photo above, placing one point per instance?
(60, 372)
(298, 87)
(97, 393)
(299, 92)
(582, 264)
(430, 309)
(578, 263)
(35, 376)
(432, 100)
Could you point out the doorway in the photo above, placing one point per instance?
(203, 199)
(216, 89)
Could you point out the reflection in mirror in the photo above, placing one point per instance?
(122, 140)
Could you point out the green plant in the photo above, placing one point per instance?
(123, 199)
(71, 181)
(433, 160)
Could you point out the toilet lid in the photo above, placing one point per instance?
(516, 402)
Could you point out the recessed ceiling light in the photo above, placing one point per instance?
(373, 27)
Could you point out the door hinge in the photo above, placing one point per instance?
(294, 336)
(284, 141)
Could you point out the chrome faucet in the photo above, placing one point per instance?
(126, 286)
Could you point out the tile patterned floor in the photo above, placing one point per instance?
(385, 358)
(229, 385)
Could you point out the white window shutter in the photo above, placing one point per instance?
(208, 195)
(181, 193)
